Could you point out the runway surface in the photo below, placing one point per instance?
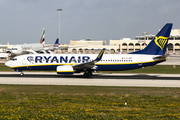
(46, 78)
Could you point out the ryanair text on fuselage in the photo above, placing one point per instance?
(60, 59)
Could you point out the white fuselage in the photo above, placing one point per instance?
(22, 48)
(109, 62)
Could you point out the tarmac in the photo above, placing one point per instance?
(98, 79)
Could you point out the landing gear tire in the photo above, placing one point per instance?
(90, 73)
(87, 74)
(22, 74)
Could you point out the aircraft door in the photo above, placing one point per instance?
(24, 61)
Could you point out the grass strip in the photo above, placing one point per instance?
(88, 102)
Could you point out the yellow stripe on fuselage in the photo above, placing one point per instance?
(45, 65)
(65, 71)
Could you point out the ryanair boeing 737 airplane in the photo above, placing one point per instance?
(75, 63)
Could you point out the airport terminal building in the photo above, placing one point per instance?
(128, 45)
(125, 45)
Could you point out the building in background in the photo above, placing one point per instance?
(89, 46)
(88, 42)
(125, 45)
(128, 45)
(3, 48)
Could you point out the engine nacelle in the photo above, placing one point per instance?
(65, 69)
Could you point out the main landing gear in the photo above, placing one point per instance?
(87, 74)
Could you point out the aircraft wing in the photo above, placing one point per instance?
(55, 48)
(91, 64)
(31, 51)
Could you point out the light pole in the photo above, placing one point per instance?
(59, 22)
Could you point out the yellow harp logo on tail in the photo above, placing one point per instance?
(161, 41)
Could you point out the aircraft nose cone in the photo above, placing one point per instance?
(8, 64)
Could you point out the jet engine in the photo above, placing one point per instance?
(65, 69)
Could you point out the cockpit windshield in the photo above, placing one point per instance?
(14, 49)
(13, 59)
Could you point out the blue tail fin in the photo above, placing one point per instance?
(56, 42)
(159, 43)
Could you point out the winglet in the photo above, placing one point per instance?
(99, 57)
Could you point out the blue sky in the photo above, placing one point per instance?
(22, 21)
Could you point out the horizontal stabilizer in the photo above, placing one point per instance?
(160, 57)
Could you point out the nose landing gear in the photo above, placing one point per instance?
(22, 74)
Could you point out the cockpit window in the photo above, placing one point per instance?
(13, 59)
(14, 49)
